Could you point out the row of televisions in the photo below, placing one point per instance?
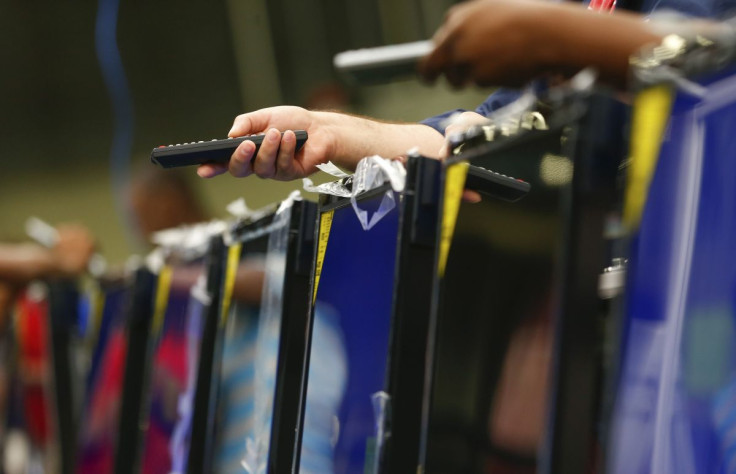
(361, 355)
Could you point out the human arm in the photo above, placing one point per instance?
(249, 281)
(20, 263)
(341, 138)
(510, 42)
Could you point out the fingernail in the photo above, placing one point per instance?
(273, 135)
(246, 152)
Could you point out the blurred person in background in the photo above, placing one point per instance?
(163, 199)
(20, 264)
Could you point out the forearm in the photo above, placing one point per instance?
(248, 285)
(357, 137)
(586, 38)
(24, 262)
(7, 300)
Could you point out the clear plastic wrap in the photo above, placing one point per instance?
(268, 336)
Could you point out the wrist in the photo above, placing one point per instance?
(348, 137)
(328, 124)
(39, 262)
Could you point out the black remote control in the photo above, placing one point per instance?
(213, 151)
(495, 184)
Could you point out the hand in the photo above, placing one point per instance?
(276, 157)
(510, 42)
(73, 250)
(489, 42)
(460, 123)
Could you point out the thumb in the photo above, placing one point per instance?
(252, 122)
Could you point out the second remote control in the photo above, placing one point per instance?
(213, 151)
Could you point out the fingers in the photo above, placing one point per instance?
(275, 157)
(73, 250)
(240, 164)
(457, 74)
(285, 163)
(444, 38)
(265, 163)
(210, 170)
(429, 67)
(250, 123)
(444, 60)
(472, 197)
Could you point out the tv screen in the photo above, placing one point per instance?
(350, 340)
(98, 428)
(236, 398)
(495, 332)
(262, 368)
(674, 408)
(172, 374)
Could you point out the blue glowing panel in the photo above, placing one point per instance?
(101, 412)
(676, 406)
(173, 377)
(350, 337)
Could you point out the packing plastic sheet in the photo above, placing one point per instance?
(267, 344)
(371, 172)
(235, 405)
(676, 403)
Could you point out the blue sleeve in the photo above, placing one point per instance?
(695, 8)
(717, 9)
(494, 102)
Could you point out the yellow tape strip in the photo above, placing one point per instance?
(233, 261)
(652, 108)
(162, 297)
(325, 224)
(96, 306)
(454, 185)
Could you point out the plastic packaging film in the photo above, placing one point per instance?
(267, 343)
(371, 173)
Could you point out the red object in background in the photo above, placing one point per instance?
(32, 328)
(602, 5)
(99, 431)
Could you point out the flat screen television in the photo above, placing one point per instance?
(259, 348)
(674, 409)
(368, 330)
(518, 343)
(139, 312)
(100, 417)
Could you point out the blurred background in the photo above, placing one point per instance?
(88, 89)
